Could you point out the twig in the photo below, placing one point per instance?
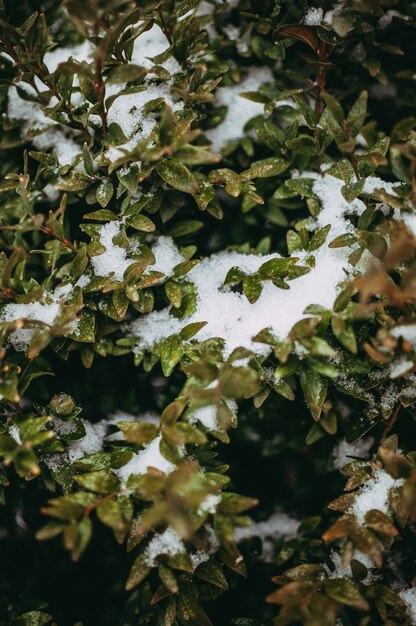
(392, 421)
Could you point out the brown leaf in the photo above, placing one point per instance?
(300, 32)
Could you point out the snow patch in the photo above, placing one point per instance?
(239, 109)
(375, 495)
(150, 456)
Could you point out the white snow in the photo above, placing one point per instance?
(230, 315)
(386, 19)
(400, 366)
(151, 43)
(45, 312)
(239, 109)
(166, 254)
(409, 597)
(313, 16)
(79, 52)
(150, 456)
(168, 543)
(407, 331)
(198, 558)
(344, 450)
(278, 525)
(14, 432)
(207, 415)
(114, 261)
(410, 220)
(374, 494)
(89, 444)
(127, 110)
(209, 505)
(343, 570)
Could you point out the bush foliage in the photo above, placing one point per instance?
(207, 312)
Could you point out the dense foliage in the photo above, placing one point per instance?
(207, 312)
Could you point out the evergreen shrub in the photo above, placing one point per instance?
(207, 312)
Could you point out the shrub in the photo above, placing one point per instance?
(208, 210)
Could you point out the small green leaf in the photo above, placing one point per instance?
(314, 388)
(100, 481)
(171, 352)
(177, 175)
(141, 222)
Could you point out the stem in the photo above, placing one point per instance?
(96, 504)
(48, 231)
(320, 78)
(99, 84)
(391, 422)
(164, 26)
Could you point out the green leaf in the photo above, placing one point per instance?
(117, 514)
(138, 432)
(266, 168)
(140, 569)
(171, 352)
(252, 288)
(103, 215)
(304, 144)
(104, 192)
(177, 175)
(212, 573)
(100, 481)
(357, 114)
(345, 592)
(141, 222)
(374, 242)
(344, 332)
(185, 227)
(314, 388)
(127, 72)
(318, 238)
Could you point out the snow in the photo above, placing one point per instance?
(409, 597)
(209, 505)
(166, 254)
(239, 109)
(410, 220)
(91, 443)
(43, 131)
(151, 43)
(374, 494)
(400, 366)
(231, 316)
(127, 110)
(14, 432)
(343, 569)
(63, 427)
(313, 16)
(279, 524)
(198, 558)
(344, 450)
(114, 261)
(150, 456)
(386, 19)
(168, 543)
(407, 332)
(207, 415)
(79, 52)
(45, 311)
